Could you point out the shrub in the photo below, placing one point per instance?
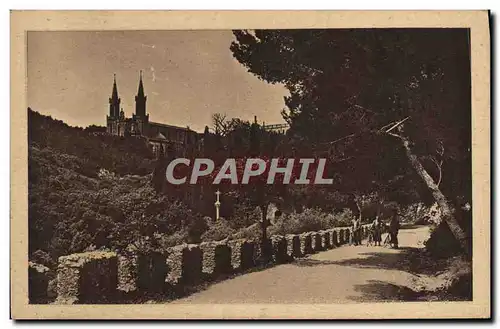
(218, 230)
(244, 216)
(68, 212)
(309, 220)
(43, 258)
(342, 218)
(196, 229)
(442, 243)
(173, 239)
(416, 213)
(252, 232)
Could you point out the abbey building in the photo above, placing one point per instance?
(162, 138)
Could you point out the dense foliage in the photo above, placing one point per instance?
(348, 89)
(91, 147)
(347, 84)
(87, 191)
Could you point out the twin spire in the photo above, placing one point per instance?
(140, 91)
(140, 99)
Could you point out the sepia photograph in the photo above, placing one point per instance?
(280, 165)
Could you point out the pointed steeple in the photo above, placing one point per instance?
(114, 95)
(140, 99)
(140, 92)
(114, 101)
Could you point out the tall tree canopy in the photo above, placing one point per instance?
(347, 84)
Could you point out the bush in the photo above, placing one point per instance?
(196, 229)
(244, 216)
(252, 232)
(218, 230)
(342, 218)
(310, 220)
(43, 258)
(68, 212)
(174, 239)
(442, 243)
(416, 213)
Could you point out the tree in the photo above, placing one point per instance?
(257, 193)
(349, 88)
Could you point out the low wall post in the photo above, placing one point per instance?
(293, 246)
(38, 284)
(216, 259)
(128, 270)
(242, 254)
(90, 277)
(306, 244)
(279, 249)
(184, 265)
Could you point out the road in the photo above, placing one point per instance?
(343, 275)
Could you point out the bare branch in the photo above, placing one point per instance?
(433, 159)
(382, 128)
(340, 139)
(439, 164)
(440, 149)
(395, 135)
(397, 124)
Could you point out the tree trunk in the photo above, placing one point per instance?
(263, 209)
(417, 211)
(359, 211)
(265, 250)
(447, 210)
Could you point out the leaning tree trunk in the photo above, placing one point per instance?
(447, 210)
(359, 210)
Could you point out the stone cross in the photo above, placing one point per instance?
(217, 205)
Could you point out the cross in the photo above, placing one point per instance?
(217, 205)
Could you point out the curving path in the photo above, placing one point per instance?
(343, 275)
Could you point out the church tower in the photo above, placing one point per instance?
(140, 117)
(114, 110)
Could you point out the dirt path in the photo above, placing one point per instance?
(343, 275)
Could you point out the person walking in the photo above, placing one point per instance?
(377, 231)
(394, 227)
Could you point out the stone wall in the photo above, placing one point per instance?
(316, 241)
(216, 259)
(128, 271)
(279, 247)
(90, 277)
(101, 277)
(184, 265)
(243, 254)
(293, 249)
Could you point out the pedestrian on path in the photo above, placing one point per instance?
(356, 236)
(377, 231)
(394, 227)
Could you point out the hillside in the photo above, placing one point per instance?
(92, 149)
(85, 188)
(88, 190)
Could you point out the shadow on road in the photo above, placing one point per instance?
(411, 260)
(408, 259)
(383, 291)
(403, 259)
